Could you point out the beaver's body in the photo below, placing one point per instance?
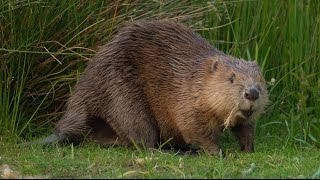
(160, 80)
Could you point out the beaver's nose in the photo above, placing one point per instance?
(251, 94)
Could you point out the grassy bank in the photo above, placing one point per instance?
(271, 160)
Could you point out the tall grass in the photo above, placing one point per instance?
(45, 44)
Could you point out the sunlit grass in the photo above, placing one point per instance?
(92, 161)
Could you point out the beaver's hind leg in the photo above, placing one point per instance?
(79, 124)
(128, 114)
(103, 134)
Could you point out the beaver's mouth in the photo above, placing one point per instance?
(247, 113)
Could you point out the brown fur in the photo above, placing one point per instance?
(158, 80)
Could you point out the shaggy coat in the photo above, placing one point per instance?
(158, 81)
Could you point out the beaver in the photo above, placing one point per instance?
(158, 80)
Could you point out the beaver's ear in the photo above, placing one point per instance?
(214, 66)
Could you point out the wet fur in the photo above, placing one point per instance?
(158, 80)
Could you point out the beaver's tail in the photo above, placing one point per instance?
(51, 139)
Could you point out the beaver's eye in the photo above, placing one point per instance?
(232, 78)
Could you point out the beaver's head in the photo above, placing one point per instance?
(235, 90)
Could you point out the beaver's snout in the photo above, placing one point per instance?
(252, 94)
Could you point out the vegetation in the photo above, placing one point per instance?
(271, 160)
(44, 46)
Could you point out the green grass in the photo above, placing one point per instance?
(271, 160)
